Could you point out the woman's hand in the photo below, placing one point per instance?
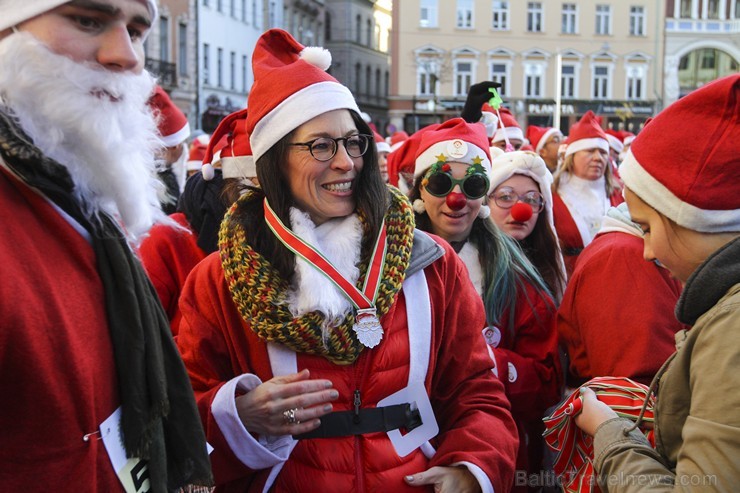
(593, 413)
(446, 480)
(266, 410)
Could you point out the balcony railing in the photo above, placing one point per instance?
(165, 72)
(704, 26)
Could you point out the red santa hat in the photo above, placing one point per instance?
(508, 126)
(402, 159)
(172, 123)
(397, 139)
(291, 86)
(456, 141)
(586, 133)
(235, 154)
(380, 144)
(686, 162)
(17, 11)
(197, 152)
(538, 136)
(614, 138)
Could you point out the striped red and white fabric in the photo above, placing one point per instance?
(574, 449)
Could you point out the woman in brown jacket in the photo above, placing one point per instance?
(689, 211)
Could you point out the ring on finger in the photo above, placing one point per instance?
(289, 416)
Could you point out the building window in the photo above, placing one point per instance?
(182, 48)
(568, 82)
(386, 83)
(232, 8)
(465, 14)
(368, 80)
(272, 14)
(369, 33)
(378, 87)
(245, 66)
(601, 88)
(254, 13)
(500, 73)
(206, 3)
(220, 67)
(358, 72)
(358, 29)
(164, 39)
(686, 9)
(635, 82)
(500, 16)
(206, 63)
(244, 11)
(427, 78)
(463, 78)
(232, 71)
(603, 19)
(637, 21)
(708, 59)
(428, 13)
(534, 82)
(712, 9)
(534, 17)
(570, 18)
(220, 5)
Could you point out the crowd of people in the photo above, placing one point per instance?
(316, 307)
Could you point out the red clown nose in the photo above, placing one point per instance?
(521, 212)
(456, 201)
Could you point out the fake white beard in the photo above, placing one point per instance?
(107, 143)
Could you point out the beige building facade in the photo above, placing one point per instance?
(608, 53)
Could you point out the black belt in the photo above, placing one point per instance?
(367, 420)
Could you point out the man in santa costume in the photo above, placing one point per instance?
(96, 396)
(546, 142)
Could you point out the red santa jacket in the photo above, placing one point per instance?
(56, 360)
(168, 255)
(616, 317)
(468, 401)
(571, 242)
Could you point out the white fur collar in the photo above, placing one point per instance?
(469, 255)
(587, 203)
(339, 241)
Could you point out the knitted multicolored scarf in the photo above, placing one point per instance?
(261, 295)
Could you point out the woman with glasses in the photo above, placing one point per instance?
(452, 181)
(584, 188)
(331, 346)
(521, 207)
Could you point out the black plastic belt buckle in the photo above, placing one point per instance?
(371, 420)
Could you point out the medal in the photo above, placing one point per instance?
(367, 327)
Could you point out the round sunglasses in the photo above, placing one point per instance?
(440, 184)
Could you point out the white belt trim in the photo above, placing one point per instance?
(283, 361)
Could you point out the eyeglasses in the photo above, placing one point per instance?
(440, 184)
(506, 198)
(325, 148)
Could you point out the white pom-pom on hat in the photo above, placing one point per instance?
(317, 56)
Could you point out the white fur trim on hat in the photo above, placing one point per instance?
(490, 121)
(238, 167)
(178, 137)
(583, 144)
(543, 140)
(427, 158)
(16, 11)
(294, 111)
(511, 132)
(656, 195)
(628, 140)
(383, 146)
(615, 143)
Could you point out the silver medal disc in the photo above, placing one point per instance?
(368, 329)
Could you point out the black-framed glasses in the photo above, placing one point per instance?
(440, 184)
(506, 198)
(325, 148)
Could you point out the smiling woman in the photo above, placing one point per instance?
(320, 270)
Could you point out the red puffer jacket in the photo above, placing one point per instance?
(468, 401)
